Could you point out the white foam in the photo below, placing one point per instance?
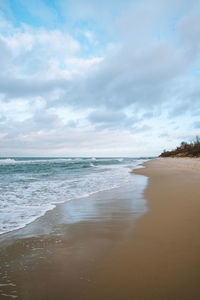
(33, 161)
(120, 159)
(7, 161)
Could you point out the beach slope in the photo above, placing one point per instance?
(161, 260)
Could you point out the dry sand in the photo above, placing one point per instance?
(156, 257)
(161, 260)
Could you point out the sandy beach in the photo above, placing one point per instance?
(99, 150)
(112, 252)
(161, 259)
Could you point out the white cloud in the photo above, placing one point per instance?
(54, 97)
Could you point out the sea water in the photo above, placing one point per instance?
(29, 187)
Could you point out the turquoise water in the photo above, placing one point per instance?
(31, 186)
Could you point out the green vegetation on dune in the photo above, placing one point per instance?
(184, 150)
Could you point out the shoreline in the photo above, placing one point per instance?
(55, 206)
(24, 218)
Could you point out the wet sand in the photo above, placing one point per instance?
(109, 250)
(54, 257)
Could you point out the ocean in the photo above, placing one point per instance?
(29, 187)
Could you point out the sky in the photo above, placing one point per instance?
(98, 78)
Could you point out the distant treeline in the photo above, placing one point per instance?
(185, 149)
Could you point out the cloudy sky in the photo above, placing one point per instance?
(98, 78)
